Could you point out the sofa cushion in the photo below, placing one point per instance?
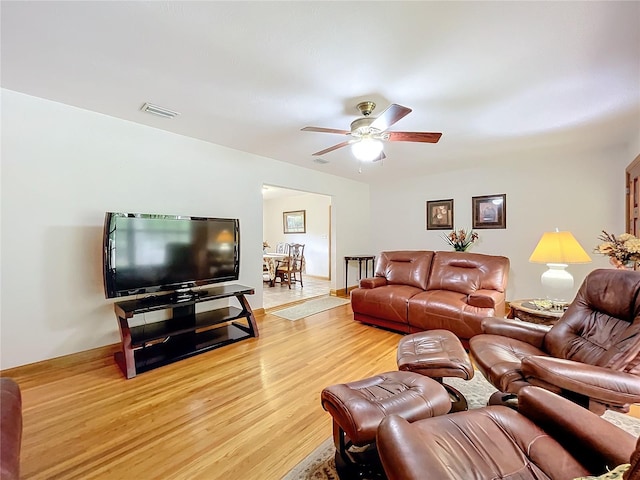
(405, 267)
(388, 302)
(467, 272)
(448, 310)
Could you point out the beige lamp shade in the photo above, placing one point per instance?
(557, 250)
(559, 247)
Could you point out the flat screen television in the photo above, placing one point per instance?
(145, 253)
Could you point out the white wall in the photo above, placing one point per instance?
(544, 190)
(315, 240)
(63, 168)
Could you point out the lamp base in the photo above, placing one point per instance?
(557, 283)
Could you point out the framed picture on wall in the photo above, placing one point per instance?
(440, 214)
(489, 211)
(294, 222)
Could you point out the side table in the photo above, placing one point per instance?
(527, 311)
(360, 259)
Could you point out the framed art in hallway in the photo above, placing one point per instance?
(440, 214)
(489, 211)
(295, 222)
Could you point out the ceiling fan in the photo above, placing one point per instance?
(369, 132)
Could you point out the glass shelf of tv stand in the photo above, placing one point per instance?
(187, 333)
(142, 335)
(187, 345)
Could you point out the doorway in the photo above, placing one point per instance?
(315, 235)
(633, 197)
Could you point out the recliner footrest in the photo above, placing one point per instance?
(436, 354)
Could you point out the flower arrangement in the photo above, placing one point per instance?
(623, 251)
(460, 240)
(265, 245)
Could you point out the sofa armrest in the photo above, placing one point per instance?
(530, 333)
(485, 298)
(601, 384)
(590, 438)
(373, 282)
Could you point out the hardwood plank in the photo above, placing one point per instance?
(247, 410)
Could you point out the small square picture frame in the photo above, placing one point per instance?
(489, 211)
(295, 221)
(440, 214)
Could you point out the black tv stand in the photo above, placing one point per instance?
(186, 295)
(186, 333)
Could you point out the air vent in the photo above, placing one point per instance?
(157, 110)
(320, 160)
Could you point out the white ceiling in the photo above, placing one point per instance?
(495, 78)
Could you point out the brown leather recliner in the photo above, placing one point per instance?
(591, 355)
(10, 429)
(549, 437)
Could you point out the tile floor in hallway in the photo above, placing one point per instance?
(281, 295)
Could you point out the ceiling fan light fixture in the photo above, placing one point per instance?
(367, 149)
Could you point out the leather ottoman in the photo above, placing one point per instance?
(358, 408)
(436, 354)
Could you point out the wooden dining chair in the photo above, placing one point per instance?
(282, 248)
(290, 270)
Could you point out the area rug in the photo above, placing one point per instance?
(310, 307)
(320, 464)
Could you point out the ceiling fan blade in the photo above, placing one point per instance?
(325, 130)
(390, 116)
(331, 149)
(426, 137)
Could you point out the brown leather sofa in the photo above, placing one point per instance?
(413, 291)
(549, 437)
(10, 429)
(591, 355)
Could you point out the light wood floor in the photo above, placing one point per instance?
(245, 411)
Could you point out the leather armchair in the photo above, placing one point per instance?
(591, 355)
(10, 429)
(548, 437)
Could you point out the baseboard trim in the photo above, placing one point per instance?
(85, 356)
(338, 293)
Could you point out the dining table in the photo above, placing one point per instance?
(271, 261)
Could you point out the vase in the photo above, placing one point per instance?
(461, 249)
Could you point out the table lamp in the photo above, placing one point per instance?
(558, 249)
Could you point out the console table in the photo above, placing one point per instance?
(360, 259)
(186, 333)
